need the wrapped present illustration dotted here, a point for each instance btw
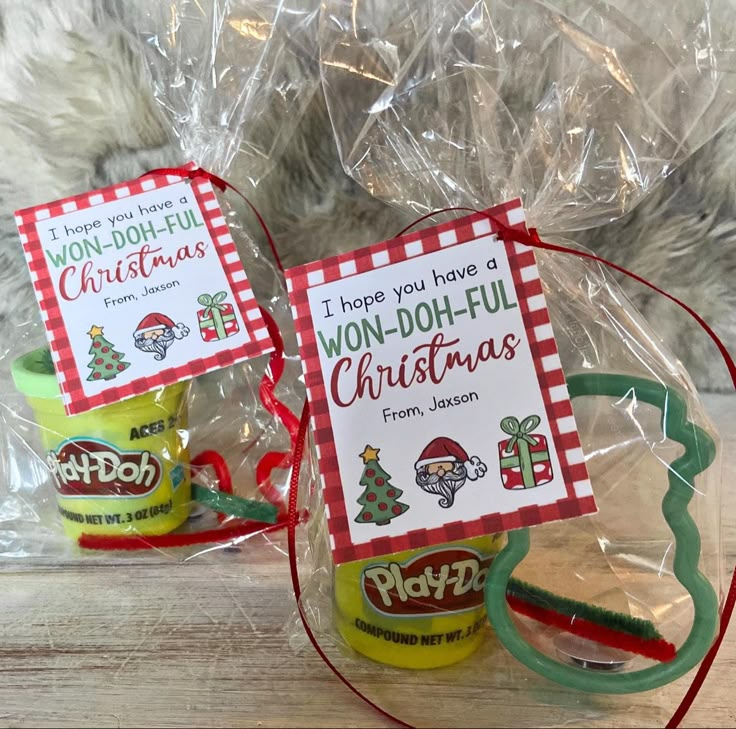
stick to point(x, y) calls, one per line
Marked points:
point(217, 320)
point(524, 457)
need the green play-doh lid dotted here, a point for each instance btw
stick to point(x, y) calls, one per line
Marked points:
point(34, 375)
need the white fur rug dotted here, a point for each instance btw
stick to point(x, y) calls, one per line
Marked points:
point(76, 112)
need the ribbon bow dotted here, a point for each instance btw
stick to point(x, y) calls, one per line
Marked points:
point(519, 431)
point(212, 302)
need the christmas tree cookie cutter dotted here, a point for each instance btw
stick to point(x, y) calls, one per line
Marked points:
point(700, 450)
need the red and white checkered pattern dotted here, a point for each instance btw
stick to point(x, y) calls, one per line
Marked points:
point(579, 499)
point(73, 395)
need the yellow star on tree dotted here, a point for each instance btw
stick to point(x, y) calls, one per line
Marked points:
point(370, 454)
point(95, 331)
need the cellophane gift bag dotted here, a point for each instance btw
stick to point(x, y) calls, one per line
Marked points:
point(570, 112)
point(155, 420)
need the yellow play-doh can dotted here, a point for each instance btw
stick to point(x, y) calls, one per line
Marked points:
point(421, 608)
point(119, 469)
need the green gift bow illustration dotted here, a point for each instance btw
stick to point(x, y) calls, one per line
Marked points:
point(523, 441)
point(213, 312)
point(700, 451)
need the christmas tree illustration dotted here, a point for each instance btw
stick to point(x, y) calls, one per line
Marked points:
point(379, 499)
point(106, 363)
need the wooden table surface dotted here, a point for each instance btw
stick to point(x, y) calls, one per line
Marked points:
point(205, 644)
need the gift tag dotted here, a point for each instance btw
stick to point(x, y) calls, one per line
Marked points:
point(140, 286)
point(439, 406)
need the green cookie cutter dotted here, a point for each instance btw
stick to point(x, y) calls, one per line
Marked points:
point(700, 451)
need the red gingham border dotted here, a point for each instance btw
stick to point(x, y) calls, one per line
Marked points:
point(544, 353)
point(73, 397)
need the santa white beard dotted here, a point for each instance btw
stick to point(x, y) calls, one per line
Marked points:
point(159, 345)
point(445, 486)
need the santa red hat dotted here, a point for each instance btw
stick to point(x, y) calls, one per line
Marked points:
point(447, 450)
point(160, 321)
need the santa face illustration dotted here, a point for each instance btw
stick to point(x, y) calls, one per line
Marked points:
point(444, 467)
point(156, 333)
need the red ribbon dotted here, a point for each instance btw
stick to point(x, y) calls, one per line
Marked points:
point(298, 432)
point(222, 472)
point(293, 522)
point(707, 662)
point(273, 459)
point(529, 238)
point(191, 173)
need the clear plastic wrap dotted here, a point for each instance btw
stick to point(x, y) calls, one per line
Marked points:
point(579, 108)
point(233, 76)
point(219, 70)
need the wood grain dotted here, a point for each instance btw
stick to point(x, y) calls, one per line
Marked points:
point(205, 644)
